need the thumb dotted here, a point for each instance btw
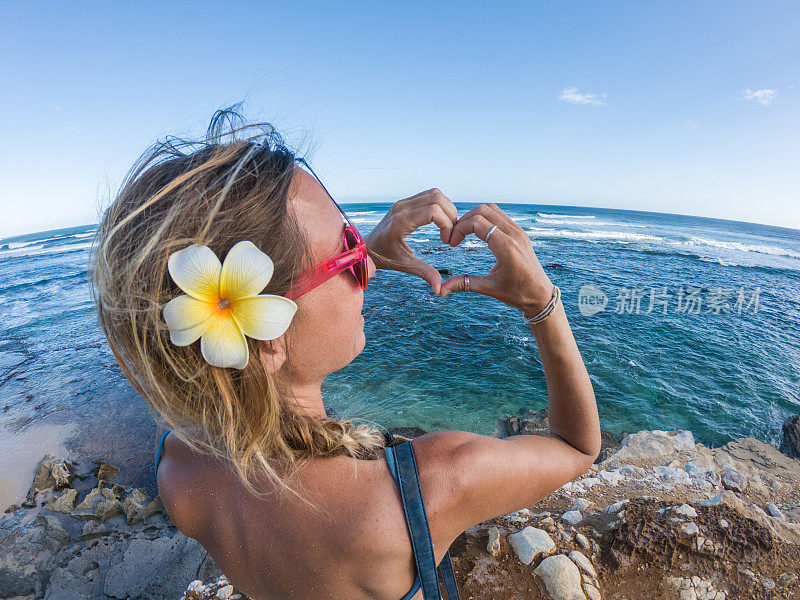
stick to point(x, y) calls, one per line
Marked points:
point(477, 283)
point(427, 272)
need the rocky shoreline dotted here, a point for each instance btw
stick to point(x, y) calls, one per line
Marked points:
point(657, 516)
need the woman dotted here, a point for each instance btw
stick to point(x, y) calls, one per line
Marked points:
point(214, 285)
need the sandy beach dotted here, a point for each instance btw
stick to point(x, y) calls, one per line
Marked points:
point(656, 516)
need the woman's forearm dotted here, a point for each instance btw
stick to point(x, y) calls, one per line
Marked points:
point(572, 409)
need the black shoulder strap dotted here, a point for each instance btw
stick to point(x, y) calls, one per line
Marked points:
point(417, 519)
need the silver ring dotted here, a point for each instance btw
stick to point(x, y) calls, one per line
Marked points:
point(466, 282)
point(491, 231)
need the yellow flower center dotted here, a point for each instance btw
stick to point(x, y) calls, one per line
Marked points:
point(224, 303)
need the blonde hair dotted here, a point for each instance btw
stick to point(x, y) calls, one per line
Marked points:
point(208, 192)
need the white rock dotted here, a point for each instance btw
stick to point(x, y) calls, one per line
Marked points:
point(592, 593)
point(585, 565)
point(690, 528)
point(521, 515)
point(561, 578)
point(493, 547)
point(654, 444)
point(612, 477)
point(224, 593)
point(616, 507)
point(734, 479)
point(723, 523)
point(573, 517)
point(530, 543)
point(581, 504)
point(583, 541)
point(687, 511)
point(775, 511)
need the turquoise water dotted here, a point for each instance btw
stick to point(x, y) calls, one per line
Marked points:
point(463, 361)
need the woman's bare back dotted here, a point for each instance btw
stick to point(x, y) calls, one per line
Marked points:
point(357, 544)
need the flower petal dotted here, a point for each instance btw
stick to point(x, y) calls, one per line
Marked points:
point(263, 317)
point(196, 271)
point(187, 318)
point(223, 344)
point(245, 271)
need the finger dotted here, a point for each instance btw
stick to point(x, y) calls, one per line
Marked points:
point(495, 215)
point(415, 216)
point(477, 283)
point(478, 223)
point(427, 272)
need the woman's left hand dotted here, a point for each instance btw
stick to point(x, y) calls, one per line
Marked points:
point(404, 217)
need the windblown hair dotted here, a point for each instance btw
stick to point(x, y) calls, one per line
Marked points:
point(232, 185)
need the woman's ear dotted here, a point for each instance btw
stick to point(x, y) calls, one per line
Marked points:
point(272, 353)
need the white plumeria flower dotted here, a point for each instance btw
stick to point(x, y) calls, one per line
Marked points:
point(221, 304)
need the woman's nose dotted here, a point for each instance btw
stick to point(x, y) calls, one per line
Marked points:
point(371, 268)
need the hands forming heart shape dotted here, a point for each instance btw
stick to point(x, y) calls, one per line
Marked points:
point(517, 279)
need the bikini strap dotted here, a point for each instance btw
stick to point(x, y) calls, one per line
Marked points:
point(417, 520)
point(158, 451)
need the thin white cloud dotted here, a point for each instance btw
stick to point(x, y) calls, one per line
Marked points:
point(763, 97)
point(573, 96)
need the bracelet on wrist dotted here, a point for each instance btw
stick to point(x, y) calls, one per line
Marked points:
point(547, 310)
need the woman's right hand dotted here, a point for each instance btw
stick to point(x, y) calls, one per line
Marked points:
point(518, 278)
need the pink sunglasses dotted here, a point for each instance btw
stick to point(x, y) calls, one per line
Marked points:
point(354, 259)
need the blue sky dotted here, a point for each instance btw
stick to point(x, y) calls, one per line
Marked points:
point(682, 107)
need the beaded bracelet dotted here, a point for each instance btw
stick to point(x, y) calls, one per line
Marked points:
point(547, 310)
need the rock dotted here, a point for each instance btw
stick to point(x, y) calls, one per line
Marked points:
point(592, 593)
point(727, 498)
point(519, 516)
point(445, 271)
point(790, 445)
point(51, 472)
point(581, 504)
point(584, 564)
point(108, 509)
point(105, 470)
point(25, 564)
point(733, 479)
point(723, 523)
point(494, 541)
point(530, 543)
point(687, 511)
point(689, 528)
point(99, 503)
point(156, 568)
point(133, 504)
point(616, 507)
point(573, 517)
point(64, 503)
point(654, 445)
point(155, 507)
point(561, 578)
point(786, 578)
point(224, 593)
point(768, 584)
point(775, 511)
point(582, 541)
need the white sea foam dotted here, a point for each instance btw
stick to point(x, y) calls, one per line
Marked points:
point(416, 239)
point(760, 249)
point(40, 250)
point(361, 213)
point(621, 237)
point(365, 220)
point(560, 216)
point(593, 223)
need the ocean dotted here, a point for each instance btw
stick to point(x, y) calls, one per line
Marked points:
point(683, 323)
